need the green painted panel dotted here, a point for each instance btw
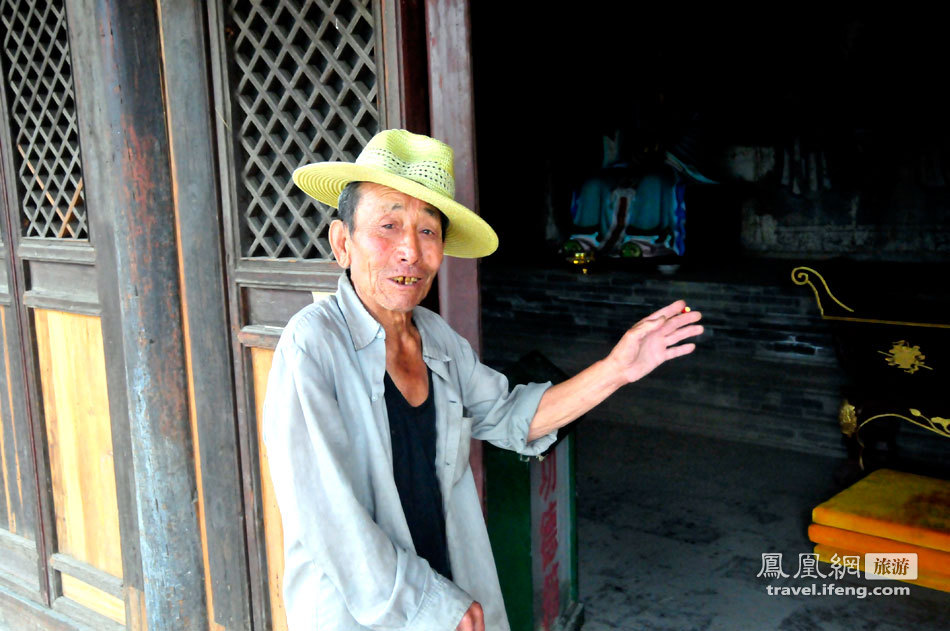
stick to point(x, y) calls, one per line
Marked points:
point(507, 494)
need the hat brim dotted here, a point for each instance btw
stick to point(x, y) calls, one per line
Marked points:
point(468, 236)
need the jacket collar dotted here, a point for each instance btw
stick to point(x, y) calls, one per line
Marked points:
point(364, 328)
point(362, 325)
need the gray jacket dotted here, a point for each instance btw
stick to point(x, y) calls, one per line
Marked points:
point(349, 557)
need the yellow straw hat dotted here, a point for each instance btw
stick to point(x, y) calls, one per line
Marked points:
point(415, 165)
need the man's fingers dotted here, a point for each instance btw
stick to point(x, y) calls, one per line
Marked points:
point(681, 334)
point(473, 620)
point(678, 351)
point(669, 310)
point(681, 320)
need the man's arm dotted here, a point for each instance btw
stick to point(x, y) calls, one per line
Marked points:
point(309, 443)
point(649, 343)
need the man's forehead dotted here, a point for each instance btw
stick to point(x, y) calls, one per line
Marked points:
point(382, 198)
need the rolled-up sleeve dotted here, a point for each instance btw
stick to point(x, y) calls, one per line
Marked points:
point(309, 448)
point(500, 416)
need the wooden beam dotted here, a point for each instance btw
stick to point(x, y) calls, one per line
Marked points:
point(129, 191)
point(185, 54)
point(404, 70)
point(452, 120)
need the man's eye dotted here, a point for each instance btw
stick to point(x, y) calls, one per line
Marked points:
point(387, 225)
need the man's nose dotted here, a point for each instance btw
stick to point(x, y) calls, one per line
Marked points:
point(409, 246)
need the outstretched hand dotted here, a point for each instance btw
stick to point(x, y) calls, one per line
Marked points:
point(647, 344)
point(654, 340)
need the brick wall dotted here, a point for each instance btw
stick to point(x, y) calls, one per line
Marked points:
point(764, 371)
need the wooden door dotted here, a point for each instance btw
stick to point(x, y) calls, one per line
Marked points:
point(64, 463)
point(295, 82)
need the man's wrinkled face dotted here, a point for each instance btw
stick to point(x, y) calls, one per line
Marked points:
point(393, 251)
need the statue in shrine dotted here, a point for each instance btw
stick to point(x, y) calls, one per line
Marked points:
point(632, 208)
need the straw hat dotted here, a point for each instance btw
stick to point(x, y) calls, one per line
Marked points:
point(413, 164)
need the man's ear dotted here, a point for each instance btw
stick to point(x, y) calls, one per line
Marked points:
point(339, 242)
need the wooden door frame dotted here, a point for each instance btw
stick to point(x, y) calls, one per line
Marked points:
point(452, 120)
point(22, 361)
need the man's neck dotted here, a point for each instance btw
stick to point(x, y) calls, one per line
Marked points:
point(397, 325)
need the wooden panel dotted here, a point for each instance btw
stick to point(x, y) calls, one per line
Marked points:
point(76, 407)
point(84, 618)
point(261, 360)
point(24, 614)
point(18, 563)
point(62, 286)
point(17, 500)
point(273, 307)
point(11, 482)
point(138, 620)
point(95, 599)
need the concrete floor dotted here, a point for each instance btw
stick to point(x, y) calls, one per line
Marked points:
point(672, 528)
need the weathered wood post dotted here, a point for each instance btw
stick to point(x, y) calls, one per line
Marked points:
point(126, 152)
point(452, 120)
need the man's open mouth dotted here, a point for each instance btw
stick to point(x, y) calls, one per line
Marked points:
point(406, 280)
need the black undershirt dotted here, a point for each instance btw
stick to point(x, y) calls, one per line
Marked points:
point(413, 440)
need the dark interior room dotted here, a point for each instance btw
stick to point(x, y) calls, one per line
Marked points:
point(811, 153)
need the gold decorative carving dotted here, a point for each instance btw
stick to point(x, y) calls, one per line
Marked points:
point(848, 418)
point(937, 424)
point(802, 276)
point(906, 357)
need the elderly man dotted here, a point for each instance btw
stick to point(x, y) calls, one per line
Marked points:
point(372, 401)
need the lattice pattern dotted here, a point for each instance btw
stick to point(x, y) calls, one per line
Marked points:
point(304, 91)
point(39, 86)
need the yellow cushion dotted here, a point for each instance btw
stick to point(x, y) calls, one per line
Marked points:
point(893, 505)
point(928, 559)
point(932, 580)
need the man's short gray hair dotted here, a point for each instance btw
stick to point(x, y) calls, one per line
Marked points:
point(350, 199)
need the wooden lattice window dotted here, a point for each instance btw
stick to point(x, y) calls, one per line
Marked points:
point(303, 88)
point(43, 119)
